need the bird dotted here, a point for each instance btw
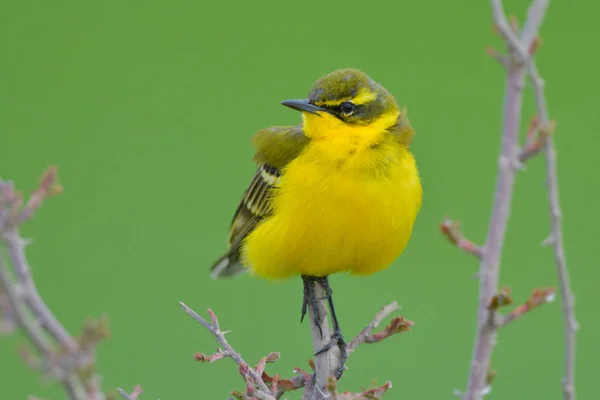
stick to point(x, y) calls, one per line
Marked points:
point(338, 193)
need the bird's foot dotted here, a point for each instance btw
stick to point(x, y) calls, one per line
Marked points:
point(337, 339)
point(310, 297)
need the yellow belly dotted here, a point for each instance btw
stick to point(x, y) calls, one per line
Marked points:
point(330, 219)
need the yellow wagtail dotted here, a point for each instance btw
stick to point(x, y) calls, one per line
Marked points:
point(340, 193)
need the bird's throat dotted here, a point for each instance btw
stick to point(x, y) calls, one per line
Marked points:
point(344, 138)
point(351, 147)
point(327, 126)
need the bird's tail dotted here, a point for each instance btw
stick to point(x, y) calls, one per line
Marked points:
point(227, 266)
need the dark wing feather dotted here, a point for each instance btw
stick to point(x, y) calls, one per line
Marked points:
point(253, 208)
point(275, 148)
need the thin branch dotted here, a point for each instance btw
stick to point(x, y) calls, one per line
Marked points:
point(503, 298)
point(398, 325)
point(510, 36)
point(451, 229)
point(32, 330)
point(7, 321)
point(279, 386)
point(16, 249)
point(374, 393)
point(535, 17)
point(502, 60)
point(538, 297)
point(490, 265)
point(133, 396)
point(509, 160)
point(325, 363)
point(249, 374)
point(261, 385)
point(60, 356)
point(262, 363)
point(568, 299)
point(48, 187)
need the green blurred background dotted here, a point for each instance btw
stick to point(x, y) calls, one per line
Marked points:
point(148, 107)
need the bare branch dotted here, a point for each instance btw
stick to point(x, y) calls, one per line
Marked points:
point(367, 394)
point(16, 249)
point(18, 312)
point(254, 383)
point(537, 298)
point(133, 396)
point(398, 325)
point(261, 385)
point(535, 17)
point(279, 386)
point(454, 234)
point(48, 187)
point(490, 265)
point(7, 322)
point(568, 299)
point(325, 363)
point(262, 363)
point(503, 299)
point(519, 50)
point(502, 60)
point(506, 31)
point(60, 356)
point(539, 137)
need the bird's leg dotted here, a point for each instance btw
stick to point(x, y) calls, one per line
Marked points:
point(337, 338)
point(310, 296)
point(306, 283)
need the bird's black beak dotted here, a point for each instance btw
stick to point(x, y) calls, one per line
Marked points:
point(302, 105)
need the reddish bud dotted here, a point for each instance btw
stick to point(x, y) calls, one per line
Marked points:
point(501, 299)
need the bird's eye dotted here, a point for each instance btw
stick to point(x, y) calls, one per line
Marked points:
point(347, 108)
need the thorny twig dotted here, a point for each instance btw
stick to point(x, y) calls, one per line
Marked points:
point(60, 356)
point(518, 62)
point(398, 325)
point(133, 396)
point(255, 385)
point(452, 231)
point(477, 385)
point(568, 299)
point(538, 297)
point(259, 385)
point(301, 379)
point(374, 393)
point(71, 360)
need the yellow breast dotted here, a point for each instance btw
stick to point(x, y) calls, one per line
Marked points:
point(350, 210)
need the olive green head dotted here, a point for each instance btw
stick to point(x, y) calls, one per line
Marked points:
point(349, 95)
